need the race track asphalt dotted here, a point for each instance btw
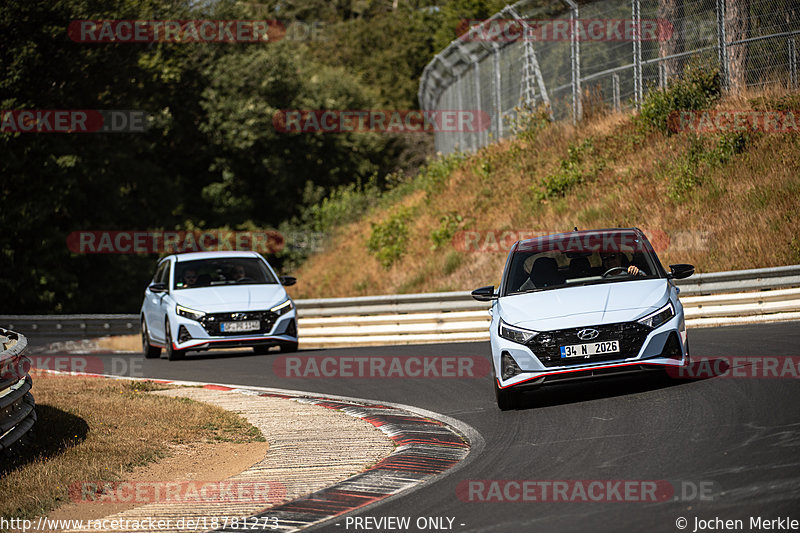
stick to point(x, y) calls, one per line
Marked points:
point(728, 446)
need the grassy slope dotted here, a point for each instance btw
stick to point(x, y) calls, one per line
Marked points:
point(748, 205)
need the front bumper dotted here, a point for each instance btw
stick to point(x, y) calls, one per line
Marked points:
point(204, 334)
point(660, 348)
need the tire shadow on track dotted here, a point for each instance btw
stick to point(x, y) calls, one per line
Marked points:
point(591, 390)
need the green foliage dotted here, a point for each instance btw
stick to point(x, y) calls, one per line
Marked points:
point(448, 225)
point(389, 238)
point(528, 121)
point(433, 176)
point(582, 164)
point(702, 157)
point(452, 262)
point(698, 88)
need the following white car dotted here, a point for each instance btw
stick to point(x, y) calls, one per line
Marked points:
point(206, 300)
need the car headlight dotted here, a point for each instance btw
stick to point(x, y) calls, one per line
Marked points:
point(519, 335)
point(653, 320)
point(192, 314)
point(283, 308)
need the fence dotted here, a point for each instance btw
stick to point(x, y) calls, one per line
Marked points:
point(742, 296)
point(17, 414)
point(560, 57)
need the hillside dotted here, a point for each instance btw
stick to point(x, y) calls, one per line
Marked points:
point(719, 201)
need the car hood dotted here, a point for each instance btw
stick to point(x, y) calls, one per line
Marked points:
point(604, 303)
point(230, 298)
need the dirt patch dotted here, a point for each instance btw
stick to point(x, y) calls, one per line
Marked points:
point(187, 462)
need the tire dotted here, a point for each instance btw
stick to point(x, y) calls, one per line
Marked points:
point(262, 349)
point(506, 399)
point(289, 347)
point(149, 351)
point(172, 353)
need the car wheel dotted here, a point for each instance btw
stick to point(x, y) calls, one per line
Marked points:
point(262, 349)
point(506, 399)
point(289, 347)
point(150, 351)
point(172, 353)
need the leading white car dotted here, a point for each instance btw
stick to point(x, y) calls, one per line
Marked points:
point(206, 300)
point(583, 304)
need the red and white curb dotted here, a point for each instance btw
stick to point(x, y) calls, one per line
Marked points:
point(426, 448)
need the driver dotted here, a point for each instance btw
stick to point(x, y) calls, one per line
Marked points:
point(239, 273)
point(614, 260)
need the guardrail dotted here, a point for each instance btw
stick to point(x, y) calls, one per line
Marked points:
point(17, 408)
point(741, 296)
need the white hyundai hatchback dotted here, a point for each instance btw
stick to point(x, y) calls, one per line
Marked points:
point(583, 304)
point(205, 300)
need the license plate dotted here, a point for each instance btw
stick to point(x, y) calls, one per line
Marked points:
point(245, 325)
point(589, 349)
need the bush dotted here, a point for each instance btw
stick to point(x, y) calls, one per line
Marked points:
point(698, 88)
point(448, 225)
point(581, 164)
point(388, 239)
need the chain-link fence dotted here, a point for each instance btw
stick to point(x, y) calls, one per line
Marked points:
point(576, 59)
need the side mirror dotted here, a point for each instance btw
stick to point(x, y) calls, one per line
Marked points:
point(158, 287)
point(288, 280)
point(681, 271)
point(484, 294)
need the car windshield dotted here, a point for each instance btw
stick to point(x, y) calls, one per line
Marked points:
point(221, 271)
point(582, 258)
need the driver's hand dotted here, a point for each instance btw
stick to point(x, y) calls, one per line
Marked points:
point(633, 270)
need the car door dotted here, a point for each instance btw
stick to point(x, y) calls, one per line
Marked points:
point(154, 303)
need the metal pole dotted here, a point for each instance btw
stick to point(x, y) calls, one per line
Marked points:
point(476, 74)
point(575, 61)
point(722, 43)
point(498, 97)
point(793, 62)
point(637, 54)
point(615, 91)
point(662, 75)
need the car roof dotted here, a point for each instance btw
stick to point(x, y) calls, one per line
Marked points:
point(191, 256)
point(568, 234)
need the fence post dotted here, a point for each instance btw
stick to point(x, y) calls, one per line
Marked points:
point(575, 61)
point(792, 61)
point(637, 53)
point(615, 91)
point(722, 44)
point(498, 97)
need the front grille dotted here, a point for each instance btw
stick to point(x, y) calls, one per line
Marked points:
point(211, 322)
point(547, 345)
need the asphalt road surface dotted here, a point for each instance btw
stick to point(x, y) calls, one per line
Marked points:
point(729, 447)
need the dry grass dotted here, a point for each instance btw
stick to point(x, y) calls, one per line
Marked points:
point(98, 429)
point(744, 214)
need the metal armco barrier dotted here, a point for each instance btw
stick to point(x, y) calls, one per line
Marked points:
point(719, 298)
point(17, 413)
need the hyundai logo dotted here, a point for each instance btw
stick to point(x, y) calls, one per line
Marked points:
point(242, 316)
point(588, 334)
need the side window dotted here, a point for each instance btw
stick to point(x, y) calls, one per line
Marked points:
point(160, 272)
point(165, 274)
